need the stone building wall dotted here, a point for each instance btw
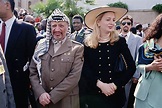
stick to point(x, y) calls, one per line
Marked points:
point(143, 16)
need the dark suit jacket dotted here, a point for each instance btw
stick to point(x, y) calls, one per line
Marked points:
point(80, 36)
point(19, 51)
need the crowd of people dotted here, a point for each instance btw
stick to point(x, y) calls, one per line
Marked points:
point(43, 64)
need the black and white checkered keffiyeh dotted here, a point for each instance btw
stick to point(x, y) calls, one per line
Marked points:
point(43, 45)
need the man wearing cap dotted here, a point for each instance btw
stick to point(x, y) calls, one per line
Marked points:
point(56, 65)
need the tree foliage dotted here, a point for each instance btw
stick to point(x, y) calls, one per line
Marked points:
point(91, 2)
point(118, 4)
point(67, 6)
point(157, 8)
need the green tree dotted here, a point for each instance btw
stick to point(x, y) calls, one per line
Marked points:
point(91, 2)
point(67, 6)
point(118, 4)
point(157, 8)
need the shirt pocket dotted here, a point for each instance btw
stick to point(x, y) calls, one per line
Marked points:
point(66, 63)
point(67, 59)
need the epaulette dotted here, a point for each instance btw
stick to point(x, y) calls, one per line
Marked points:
point(87, 31)
point(73, 41)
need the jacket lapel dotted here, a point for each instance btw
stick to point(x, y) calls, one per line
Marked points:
point(130, 40)
point(51, 48)
point(66, 46)
point(14, 34)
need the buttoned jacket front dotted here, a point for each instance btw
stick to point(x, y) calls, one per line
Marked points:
point(60, 74)
point(99, 64)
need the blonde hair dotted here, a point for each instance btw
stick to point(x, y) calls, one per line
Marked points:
point(92, 40)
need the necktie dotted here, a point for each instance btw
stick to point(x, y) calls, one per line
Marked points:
point(76, 35)
point(2, 36)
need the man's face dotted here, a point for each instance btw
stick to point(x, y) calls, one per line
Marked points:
point(77, 25)
point(3, 9)
point(59, 29)
point(30, 20)
point(126, 25)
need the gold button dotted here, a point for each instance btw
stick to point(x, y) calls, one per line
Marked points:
point(100, 58)
point(110, 78)
point(99, 64)
point(99, 72)
point(99, 50)
point(99, 78)
point(109, 71)
point(109, 64)
point(108, 57)
point(51, 88)
point(107, 44)
point(62, 59)
point(99, 44)
point(52, 69)
point(99, 91)
point(51, 79)
point(53, 60)
point(17, 70)
point(107, 50)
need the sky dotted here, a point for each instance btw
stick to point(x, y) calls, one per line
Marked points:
point(132, 4)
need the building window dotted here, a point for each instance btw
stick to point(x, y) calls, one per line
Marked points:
point(29, 4)
point(19, 3)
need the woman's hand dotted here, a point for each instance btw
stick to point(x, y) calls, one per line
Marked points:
point(107, 89)
point(155, 65)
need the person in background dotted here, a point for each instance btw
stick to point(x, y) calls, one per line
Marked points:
point(149, 64)
point(56, 65)
point(118, 28)
point(29, 19)
point(38, 27)
point(80, 32)
point(133, 41)
point(133, 30)
point(16, 13)
point(18, 45)
point(104, 86)
point(21, 14)
point(139, 29)
point(6, 93)
point(42, 33)
point(43, 26)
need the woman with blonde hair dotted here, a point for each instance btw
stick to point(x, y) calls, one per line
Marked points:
point(103, 85)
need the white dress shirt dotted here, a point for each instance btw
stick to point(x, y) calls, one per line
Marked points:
point(9, 24)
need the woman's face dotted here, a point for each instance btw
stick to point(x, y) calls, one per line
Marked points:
point(107, 22)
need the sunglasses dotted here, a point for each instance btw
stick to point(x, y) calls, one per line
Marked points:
point(128, 23)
